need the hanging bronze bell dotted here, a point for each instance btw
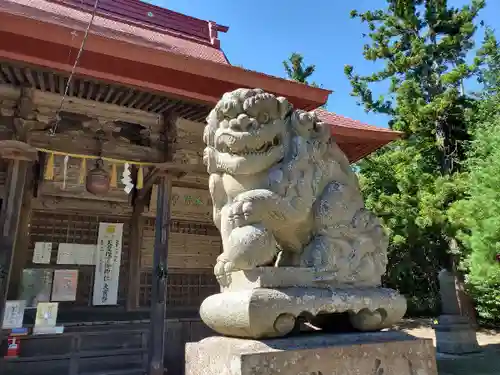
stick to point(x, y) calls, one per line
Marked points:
point(98, 180)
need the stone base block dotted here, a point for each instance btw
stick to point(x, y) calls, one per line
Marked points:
point(455, 335)
point(265, 313)
point(387, 353)
point(286, 277)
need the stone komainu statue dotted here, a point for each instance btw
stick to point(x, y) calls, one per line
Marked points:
point(297, 239)
point(284, 193)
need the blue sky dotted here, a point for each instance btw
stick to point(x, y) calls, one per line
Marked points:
point(262, 33)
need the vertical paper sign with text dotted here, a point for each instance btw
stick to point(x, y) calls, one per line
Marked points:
point(107, 270)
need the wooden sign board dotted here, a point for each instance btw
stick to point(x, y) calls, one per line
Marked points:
point(188, 157)
point(187, 203)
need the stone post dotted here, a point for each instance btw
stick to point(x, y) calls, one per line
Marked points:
point(455, 332)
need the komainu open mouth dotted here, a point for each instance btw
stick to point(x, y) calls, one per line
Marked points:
point(263, 149)
point(268, 145)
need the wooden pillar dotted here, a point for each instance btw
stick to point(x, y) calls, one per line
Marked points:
point(15, 213)
point(137, 223)
point(9, 220)
point(22, 238)
point(160, 269)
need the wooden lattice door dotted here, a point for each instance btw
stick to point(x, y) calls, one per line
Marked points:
point(187, 286)
point(82, 229)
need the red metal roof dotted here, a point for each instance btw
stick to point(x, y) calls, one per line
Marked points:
point(343, 126)
point(355, 138)
point(197, 39)
point(38, 32)
point(146, 15)
point(181, 35)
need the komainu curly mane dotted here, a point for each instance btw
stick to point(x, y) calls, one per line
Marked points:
point(284, 192)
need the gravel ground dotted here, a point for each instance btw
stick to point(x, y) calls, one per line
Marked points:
point(422, 328)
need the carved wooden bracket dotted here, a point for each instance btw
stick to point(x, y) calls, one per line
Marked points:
point(9, 96)
point(26, 108)
point(170, 128)
point(7, 107)
point(24, 115)
point(100, 125)
point(16, 150)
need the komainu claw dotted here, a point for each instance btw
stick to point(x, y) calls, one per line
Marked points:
point(222, 272)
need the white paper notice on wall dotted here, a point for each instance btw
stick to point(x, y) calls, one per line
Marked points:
point(13, 315)
point(64, 285)
point(42, 252)
point(74, 253)
point(46, 314)
point(108, 258)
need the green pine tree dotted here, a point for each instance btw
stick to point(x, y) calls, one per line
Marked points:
point(296, 70)
point(478, 214)
point(423, 45)
point(490, 74)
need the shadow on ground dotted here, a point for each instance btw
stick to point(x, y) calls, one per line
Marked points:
point(486, 362)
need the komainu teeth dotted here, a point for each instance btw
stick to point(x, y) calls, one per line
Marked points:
point(264, 148)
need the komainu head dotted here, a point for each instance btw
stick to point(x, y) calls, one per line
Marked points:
point(248, 127)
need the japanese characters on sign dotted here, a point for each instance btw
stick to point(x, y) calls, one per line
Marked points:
point(186, 203)
point(107, 272)
point(42, 252)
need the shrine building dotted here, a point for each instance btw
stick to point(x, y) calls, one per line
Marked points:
point(115, 91)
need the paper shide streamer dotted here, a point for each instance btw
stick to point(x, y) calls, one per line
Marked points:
point(126, 180)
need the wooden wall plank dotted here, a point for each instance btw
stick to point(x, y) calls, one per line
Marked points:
point(185, 250)
point(67, 204)
point(193, 179)
point(189, 142)
point(191, 261)
point(84, 144)
point(47, 102)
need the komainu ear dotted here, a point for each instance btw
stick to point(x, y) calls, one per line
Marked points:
point(284, 107)
point(211, 127)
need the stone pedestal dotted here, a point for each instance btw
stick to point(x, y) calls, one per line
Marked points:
point(387, 353)
point(455, 335)
point(267, 302)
